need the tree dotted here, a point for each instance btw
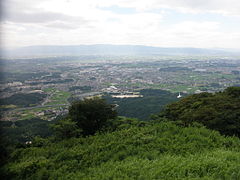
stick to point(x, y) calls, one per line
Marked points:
point(65, 128)
point(233, 92)
point(91, 115)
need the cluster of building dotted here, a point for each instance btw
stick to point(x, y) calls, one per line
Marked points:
point(122, 79)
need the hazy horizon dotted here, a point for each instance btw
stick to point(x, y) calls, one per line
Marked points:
point(108, 49)
point(108, 44)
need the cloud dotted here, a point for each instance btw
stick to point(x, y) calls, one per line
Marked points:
point(226, 7)
point(61, 25)
point(36, 17)
point(29, 12)
point(151, 22)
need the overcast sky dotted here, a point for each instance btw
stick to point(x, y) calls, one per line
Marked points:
point(164, 23)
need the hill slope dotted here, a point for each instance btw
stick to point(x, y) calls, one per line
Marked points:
point(155, 151)
point(219, 111)
point(172, 146)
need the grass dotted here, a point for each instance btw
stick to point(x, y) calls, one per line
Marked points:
point(49, 90)
point(59, 97)
point(28, 115)
point(158, 151)
point(213, 165)
point(11, 106)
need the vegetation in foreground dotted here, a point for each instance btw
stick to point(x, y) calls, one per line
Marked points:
point(155, 151)
point(125, 148)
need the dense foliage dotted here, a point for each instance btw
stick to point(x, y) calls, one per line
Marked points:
point(219, 111)
point(152, 102)
point(24, 100)
point(15, 134)
point(66, 128)
point(82, 88)
point(91, 115)
point(154, 151)
point(21, 77)
point(25, 130)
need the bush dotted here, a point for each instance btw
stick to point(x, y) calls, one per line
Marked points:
point(66, 128)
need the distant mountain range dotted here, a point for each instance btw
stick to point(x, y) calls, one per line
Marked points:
point(102, 49)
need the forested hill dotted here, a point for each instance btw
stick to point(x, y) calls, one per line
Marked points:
point(219, 111)
point(92, 142)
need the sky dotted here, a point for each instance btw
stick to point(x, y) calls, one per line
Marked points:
point(163, 23)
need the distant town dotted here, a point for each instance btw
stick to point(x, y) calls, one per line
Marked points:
point(45, 87)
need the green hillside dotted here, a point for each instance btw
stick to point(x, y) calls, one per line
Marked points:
point(155, 151)
point(93, 143)
point(219, 111)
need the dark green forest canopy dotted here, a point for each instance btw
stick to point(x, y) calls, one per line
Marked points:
point(25, 130)
point(219, 111)
point(91, 115)
point(23, 100)
point(152, 102)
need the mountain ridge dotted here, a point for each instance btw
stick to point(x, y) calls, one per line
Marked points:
point(109, 49)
